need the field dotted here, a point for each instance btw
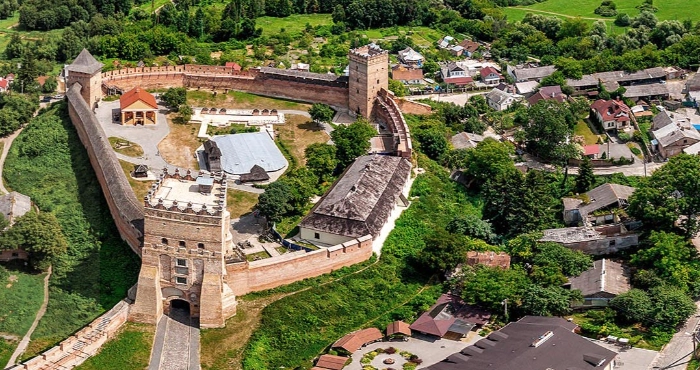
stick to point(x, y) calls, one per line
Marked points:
point(297, 134)
point(240, 100)
point(294, 24)
point(668, 10)
point(99, 267)
point(130, 349)
point(240, 202)
point(21, 296)
point(125, 147)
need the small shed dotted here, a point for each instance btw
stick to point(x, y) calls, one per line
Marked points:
point(205, 183)
point(398, 330)
point(140, 171)
point(355, 340)
point(331, 362)
point(256, 173)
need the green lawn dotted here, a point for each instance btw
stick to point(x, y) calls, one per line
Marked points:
point(21, 300)
point(240, 100)
point(130, 349)
point(667, 9)
point(582, 129)
point(294, 24)
point(6, 349)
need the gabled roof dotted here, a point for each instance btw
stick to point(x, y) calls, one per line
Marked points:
point(459, 81)
point(606, 195)
point(670, 134)
point(85, 63)
point(137, 94)
point(353, 341)
point(469, 45)
point(256, 173)
point(533, 73)
point(447, 311)
point(486, 71)
point(140, 168)
point(4, 83)
point(498, 96)
point(465, 140)
point(591, 149)
point(662, 119)
point(398, 327)
point(401, 73)
point(410, 55)
point(547, 93)
point(526, 87)
point(605, 276)
point(612, 110)
point(331, 362)
point(233, 65)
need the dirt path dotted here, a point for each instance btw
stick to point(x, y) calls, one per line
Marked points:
point(7, 142)
point(559, 14)
point(25, 341)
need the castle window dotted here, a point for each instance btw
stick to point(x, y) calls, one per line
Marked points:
point(377, 80)
point(200, 245)
point(182, 262)
point(182, 243)
point(164, 241)
point(358, 91)
point(180, 280)
point(317, 236)
point(358, 79)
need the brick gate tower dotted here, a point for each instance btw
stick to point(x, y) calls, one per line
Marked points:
point(368, 73)
point(86, 71)
point(186, 241)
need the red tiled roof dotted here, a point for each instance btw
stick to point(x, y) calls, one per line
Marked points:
point(331, 362)
point(353, 341)
point(4, 83)
point(398, 327)
point(612, 110)
point(491, 259)
point(591, 149)
point(486, 71)
point(136, 94)
point(469, 45)
point(42, 80)
point(234, 65)
point(547, 93)
point(448, 308)
point(459, 81)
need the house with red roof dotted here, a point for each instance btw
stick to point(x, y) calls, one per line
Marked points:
point(233, 65)
point(490, 76)
point(4, 84)
point(138, 107)
point(612, 114)
point(450, 318)
point(547, 93)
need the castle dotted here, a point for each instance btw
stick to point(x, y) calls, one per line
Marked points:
point(181, 228)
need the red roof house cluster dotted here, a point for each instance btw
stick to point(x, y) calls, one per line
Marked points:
point(612, 114)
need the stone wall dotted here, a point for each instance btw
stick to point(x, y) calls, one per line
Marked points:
point(77, 348)
point(126, 211)
point(412, 107)
point(301, 88)
point(246, 277)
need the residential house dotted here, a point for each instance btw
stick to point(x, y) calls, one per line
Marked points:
point(490, 76)
point(672, 139)
point(490, 259)
point(612, 114)
point(526, 88)
point(445, 42)
point(470, 47)
point(466, 140)
point(356, 340)
point(613, 80)
point(547, 93)
point(454, 74)
point(532, 343)
point(456, 50)
point(598, 240)
point(450, 318)
point(407, 75)
point(411, 58)
point(599, 284)
point(527, 72)
point(692, 88)
point(4, 85)
point(501, 100)
point(600, 205)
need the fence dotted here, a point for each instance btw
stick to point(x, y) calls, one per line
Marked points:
point(286, 243)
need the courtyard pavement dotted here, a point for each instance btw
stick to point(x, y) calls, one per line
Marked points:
point(629, 358)
point(176, 344)
point(428, 349)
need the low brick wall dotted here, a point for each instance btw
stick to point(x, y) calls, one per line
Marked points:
point(412, 107)
point(79, 347)
point(246, 277)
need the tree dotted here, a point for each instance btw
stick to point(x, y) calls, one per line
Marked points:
point(443, 251)
point(472, 226)
point(50, 85)
point(670, 195)
point(320, 112)
point(571, 263)
point(321, 160)
point(38, 234)
point(672, 306)
point(489, 287)
point(184, 113)
point(274, 202)
point(548, 130)
point(175, 97)
point(623, 20)
point(669, 255)
point(547, 301)
point(632, 306)
point(397, 87)
point(352, 141)
point(338, 14)
point(432, 143)
point(487, 160)
point(586, 178)
point(573, 27)
point(15, 47)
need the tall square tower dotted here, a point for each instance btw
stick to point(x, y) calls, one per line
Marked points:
point(86, 71)
point(186, 240)
point(368, 73)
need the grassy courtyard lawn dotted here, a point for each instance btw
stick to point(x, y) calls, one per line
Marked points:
point(140, 188)
point(178, 147)
point(294, 24)
point(48, 163)
point(240, 100)
point(21, 296)
point(240, 202)
point(297, 134)
point(125, 147)
point(667, 9)
point(582, 129)
point(601, 323)
point(129, 349)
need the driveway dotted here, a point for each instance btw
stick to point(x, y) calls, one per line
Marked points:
point(428, 349)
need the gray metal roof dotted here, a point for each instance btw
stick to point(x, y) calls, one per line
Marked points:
point(14, 205)
point(533, 73)
point(605, 276)
point(240, 152)
point(85, 63)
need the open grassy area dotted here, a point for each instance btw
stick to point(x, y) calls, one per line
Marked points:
point(240, 100)
point(294, 24)
point(582, 129)
point(125, 147)
point(6, 349)
point(129, 349)
point(99, 267)
point(140, 187)
point(179, 146)
point(667, 9)
point(422, 36)
point(240, 203)
point(297, 134)
point(21, 296)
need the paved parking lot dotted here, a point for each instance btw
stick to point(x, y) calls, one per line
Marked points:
point(630, 358)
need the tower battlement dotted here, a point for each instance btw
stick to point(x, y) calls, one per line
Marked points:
point(368, 52)
point(202, 195)
point(368, 74)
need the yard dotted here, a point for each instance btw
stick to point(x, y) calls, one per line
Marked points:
point(601, 323)
point(21, 295)
point(297, 134)
point(140, 188)
point(179, 146)
point(125, 147)
point(582, 129)
point(240, 100)
point(240, 202)
point(129, 349)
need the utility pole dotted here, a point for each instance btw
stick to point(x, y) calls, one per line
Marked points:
point(505, 308)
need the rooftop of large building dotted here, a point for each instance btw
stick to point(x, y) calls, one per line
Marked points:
point(191, 191)
point(368, 50)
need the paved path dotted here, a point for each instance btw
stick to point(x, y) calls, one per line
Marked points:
point(42, 310)
point(7, 142)
point(176, 344)
point(676, 354)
